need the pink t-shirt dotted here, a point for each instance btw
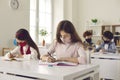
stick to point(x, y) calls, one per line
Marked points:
point(68, 50)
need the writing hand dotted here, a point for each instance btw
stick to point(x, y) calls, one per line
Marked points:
point(102, 50)
point(11, 56)
point(51, 59)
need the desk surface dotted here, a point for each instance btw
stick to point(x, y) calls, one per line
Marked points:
point(108, 55)
point(33, 69)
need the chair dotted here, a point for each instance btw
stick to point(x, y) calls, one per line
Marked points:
point(5, 50)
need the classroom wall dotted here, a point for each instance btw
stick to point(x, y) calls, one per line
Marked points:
point(82, 11)
point(77, 11)
point(65, 9)
point(106, 11)
point(58, 14)
point(11, 20)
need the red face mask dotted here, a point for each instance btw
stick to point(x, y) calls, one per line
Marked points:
point(21, 48)
point(22, 44)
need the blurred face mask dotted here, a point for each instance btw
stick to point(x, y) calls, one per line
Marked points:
point(106, 42)
point(22, 43)
point(89, 40)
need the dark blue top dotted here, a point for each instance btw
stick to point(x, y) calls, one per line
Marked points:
point(111, 47)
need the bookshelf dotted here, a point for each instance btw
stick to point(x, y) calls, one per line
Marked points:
point(112, 28)
point(96, 30)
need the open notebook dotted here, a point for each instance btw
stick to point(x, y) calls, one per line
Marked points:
point(58, 63)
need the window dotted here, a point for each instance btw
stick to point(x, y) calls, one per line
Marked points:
point(40, 18)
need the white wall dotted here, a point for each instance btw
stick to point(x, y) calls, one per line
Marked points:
point(11, 20)
point(65, 9)
point(71, 11)
point(81, 11)
point(58, 14)
point(106, 11)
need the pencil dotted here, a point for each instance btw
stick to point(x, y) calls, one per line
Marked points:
point(50, 55)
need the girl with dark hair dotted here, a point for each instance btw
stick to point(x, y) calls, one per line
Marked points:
point(26, 47)
point(67, 46)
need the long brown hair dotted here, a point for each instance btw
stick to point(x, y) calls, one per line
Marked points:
point(68, 27)
point(23, 34)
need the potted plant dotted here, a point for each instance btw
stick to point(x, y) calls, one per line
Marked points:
point(94, 20)
point(43, 33)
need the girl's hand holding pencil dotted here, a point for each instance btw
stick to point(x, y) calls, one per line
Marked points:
point(48, 58)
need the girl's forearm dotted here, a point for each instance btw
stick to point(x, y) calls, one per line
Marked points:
point(74, 60)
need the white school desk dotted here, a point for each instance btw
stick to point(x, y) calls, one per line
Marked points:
point(33, 69)
point(109, 65)
point(13, 77)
